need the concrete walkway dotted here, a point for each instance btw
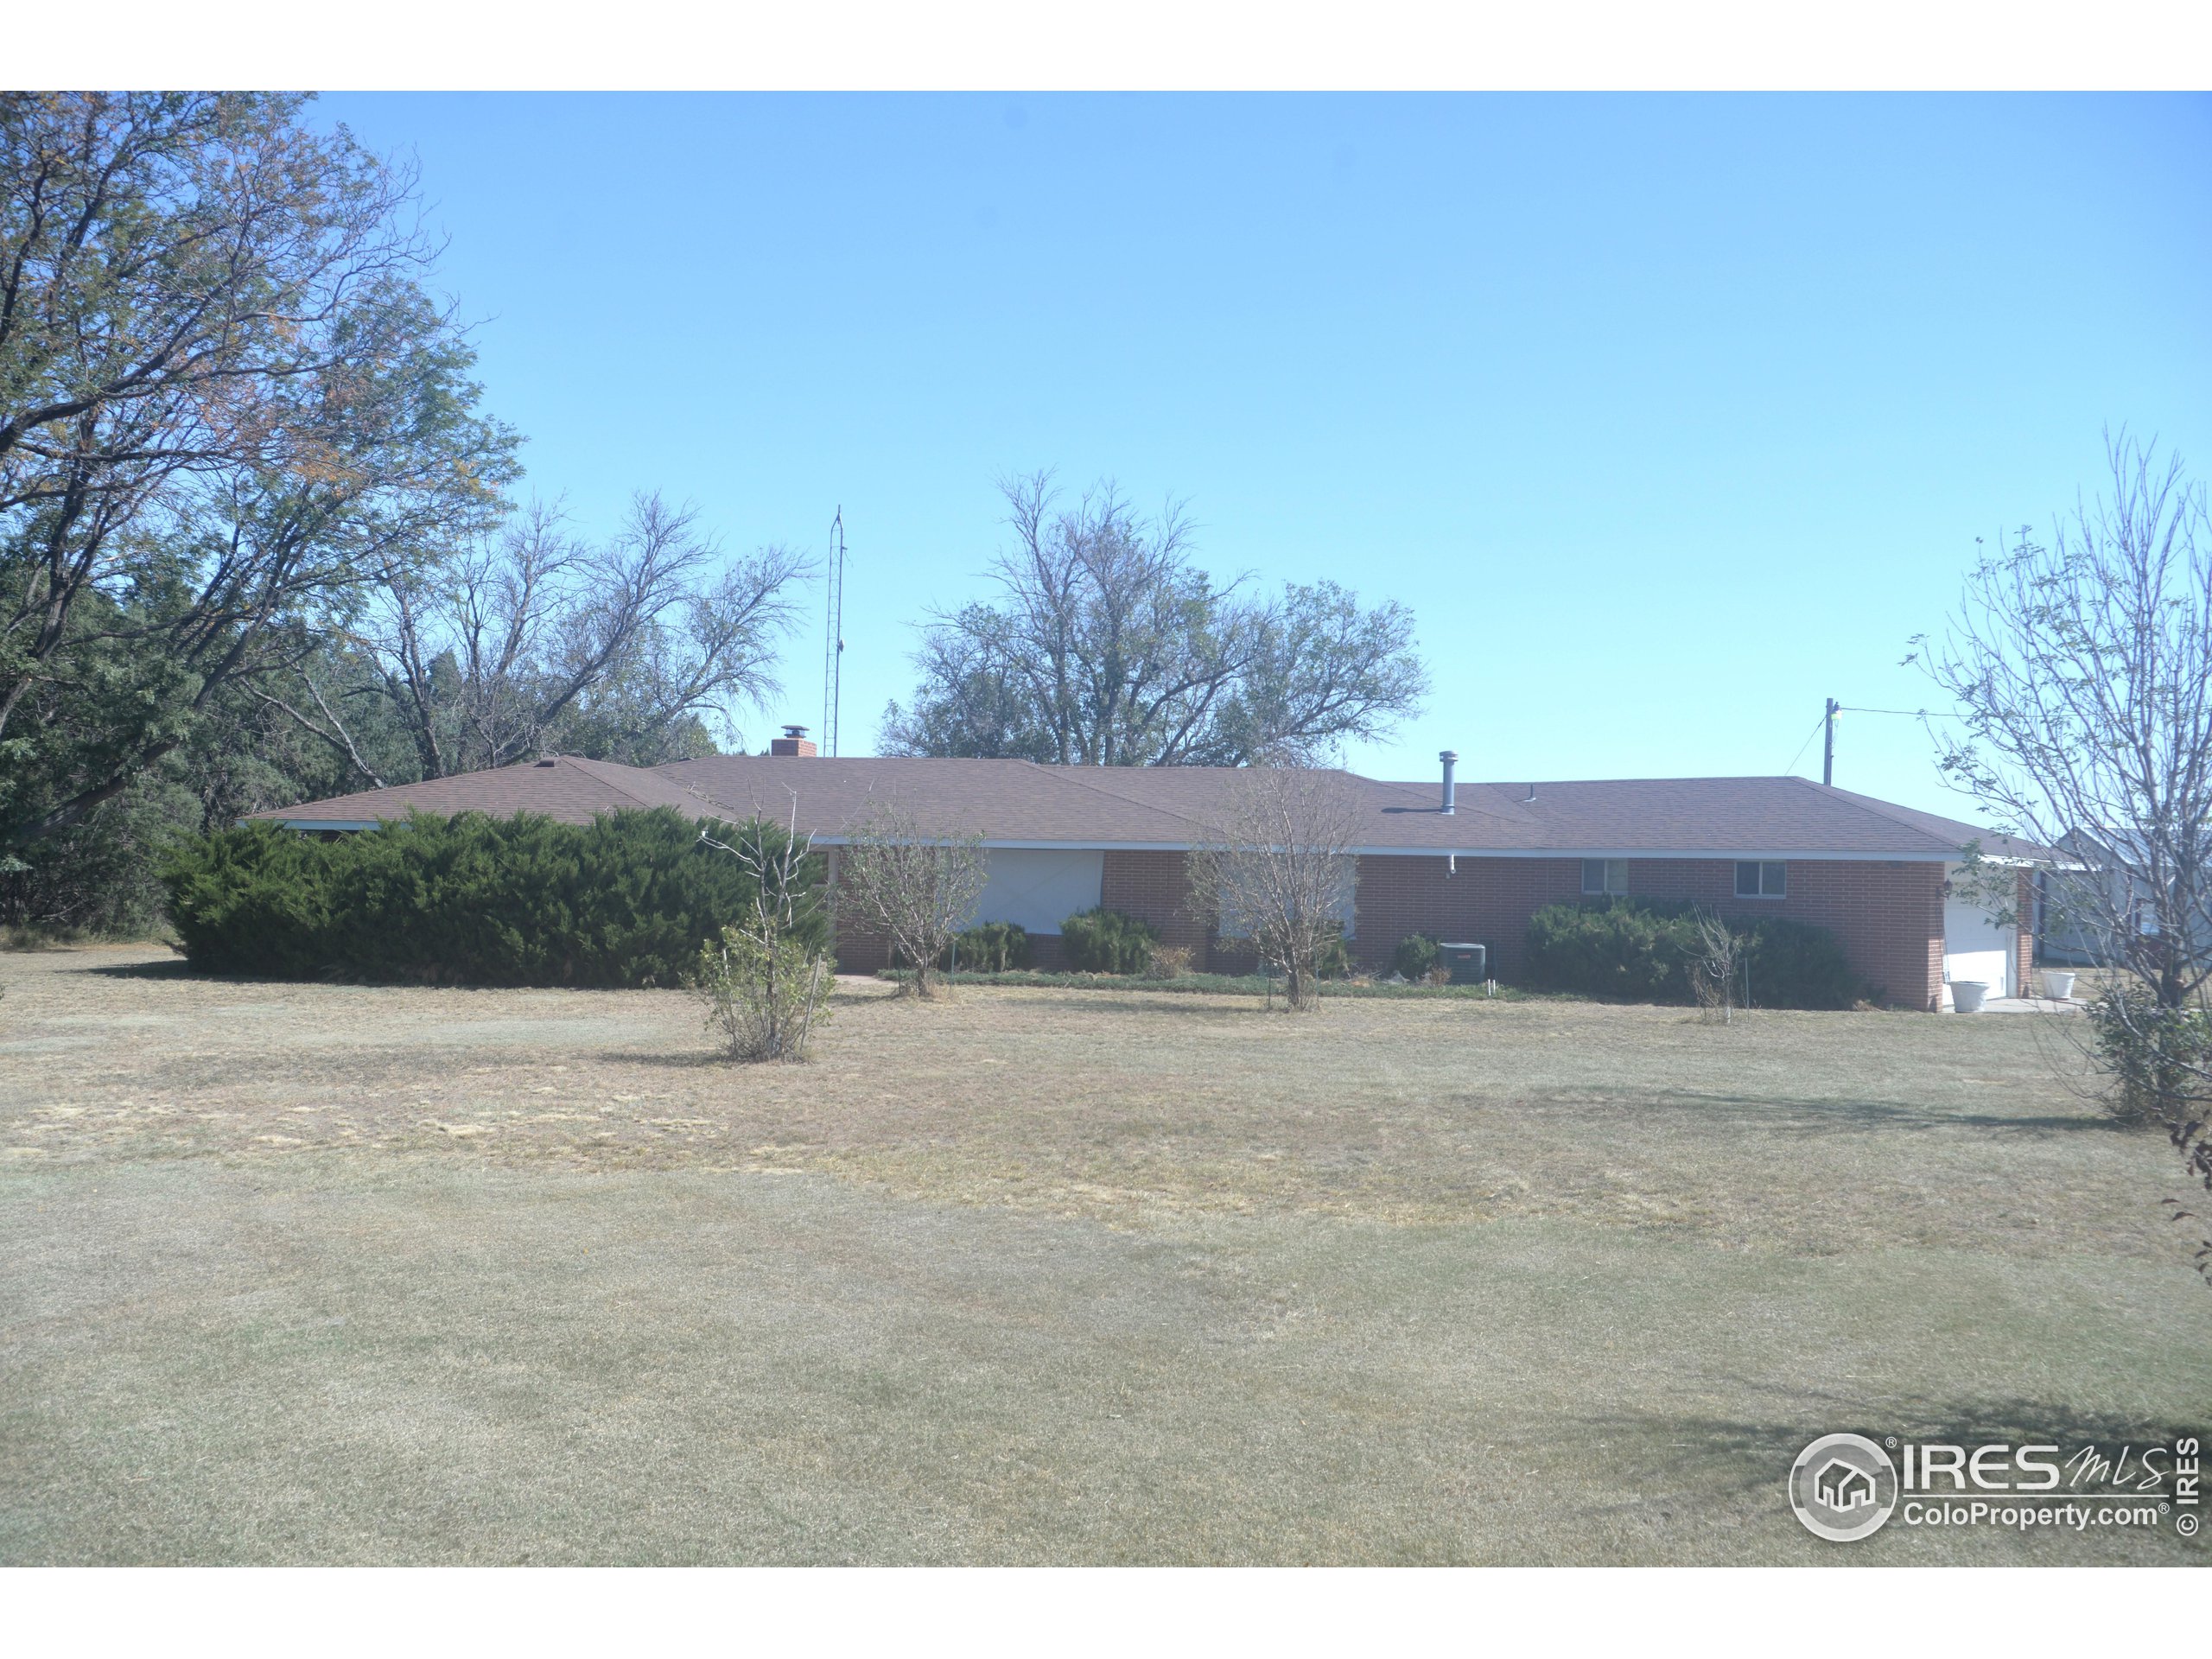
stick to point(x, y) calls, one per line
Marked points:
point(2030, 1005)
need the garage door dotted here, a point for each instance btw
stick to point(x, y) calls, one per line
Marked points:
point(1974, 947)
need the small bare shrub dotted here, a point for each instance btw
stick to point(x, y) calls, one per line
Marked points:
point(1713, 968)
point(1281, 874)
point(1168, 962)
point(917, 883)
point(763, 995)
point(765, 986)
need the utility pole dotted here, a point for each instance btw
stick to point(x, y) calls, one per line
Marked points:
point(833, 652)
point(1827, 744)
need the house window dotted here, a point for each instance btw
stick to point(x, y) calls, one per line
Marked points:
point(1756, 880)
point(1604, 875)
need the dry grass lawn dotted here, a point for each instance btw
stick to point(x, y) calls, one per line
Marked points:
point(326, 1273)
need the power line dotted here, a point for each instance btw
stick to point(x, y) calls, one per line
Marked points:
point(1827, 723)
point(1806, 745)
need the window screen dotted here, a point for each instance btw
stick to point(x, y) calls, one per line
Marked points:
point(1756, 878)
point(1604, 875)
point(1038, 889)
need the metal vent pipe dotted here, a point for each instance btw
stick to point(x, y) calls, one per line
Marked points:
point(1451, 758)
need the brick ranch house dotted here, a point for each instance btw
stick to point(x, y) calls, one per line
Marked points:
point(1463, 861)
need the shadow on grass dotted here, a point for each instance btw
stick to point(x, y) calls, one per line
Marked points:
point(1733, 1456)
point(692, 1061)
point(1805, 1114)
point(177, 967)
point(180, 967)
point(1214, 1004)
point(1181, 1004)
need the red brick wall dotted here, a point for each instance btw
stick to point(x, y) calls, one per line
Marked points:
point(1154, 888)
point(1488, 901)
point(1888, 917)
point(2024, 940)
point(859, 950)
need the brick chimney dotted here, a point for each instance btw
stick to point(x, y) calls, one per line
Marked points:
point(793, 741)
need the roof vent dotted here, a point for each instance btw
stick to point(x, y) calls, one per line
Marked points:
point(1451, 758)
point(547, 760)
point(1532, 792)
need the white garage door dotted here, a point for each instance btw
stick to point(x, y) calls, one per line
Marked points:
point(1974, 947)
point(1039, 889)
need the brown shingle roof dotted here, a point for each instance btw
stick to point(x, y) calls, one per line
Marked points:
point(1017, 802)
point(1003, 800)
point(570, 789)
point(1770, 816)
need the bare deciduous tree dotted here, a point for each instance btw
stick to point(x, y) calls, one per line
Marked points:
point(2082, 673)
point(1281, 870)
point(1713, 969)
point(534, 632)
point(1108, 646)
point(918, 886)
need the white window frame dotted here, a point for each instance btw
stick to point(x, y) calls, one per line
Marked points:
point(1775, 868)
point(1612, 878)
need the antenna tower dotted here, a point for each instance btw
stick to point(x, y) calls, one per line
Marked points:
point(833, 654)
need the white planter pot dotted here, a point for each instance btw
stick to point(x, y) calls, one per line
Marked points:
point(2058, 986)
point(1966, 994)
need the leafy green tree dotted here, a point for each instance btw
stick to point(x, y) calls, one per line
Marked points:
point(100, 874)
point(227, 410)
point(254, 539)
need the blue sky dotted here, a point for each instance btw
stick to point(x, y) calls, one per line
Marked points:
point(1668, 417)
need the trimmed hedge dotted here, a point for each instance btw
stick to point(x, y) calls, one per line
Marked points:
point(1621, 953)
point(988, 948)
point(626, 900)
point(1797, 965)
point(1102, 941)
point(1637, 951)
